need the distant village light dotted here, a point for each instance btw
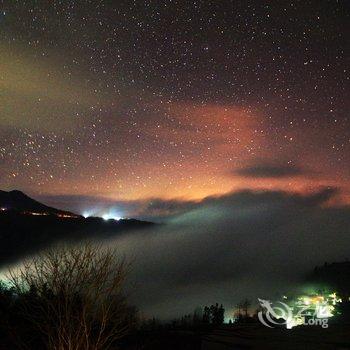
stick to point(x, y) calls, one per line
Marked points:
point(34, 213)
point(110, 216)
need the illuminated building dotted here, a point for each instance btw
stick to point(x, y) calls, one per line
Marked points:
point(312, 309)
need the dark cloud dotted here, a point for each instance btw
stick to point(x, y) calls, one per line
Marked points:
point(271, 170)
point(157, 209)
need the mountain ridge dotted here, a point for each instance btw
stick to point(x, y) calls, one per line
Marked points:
point(18, 200)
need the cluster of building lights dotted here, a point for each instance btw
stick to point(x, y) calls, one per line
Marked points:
point(47, 214)
point(33, 213)
point(318, 306)
point(110, 215)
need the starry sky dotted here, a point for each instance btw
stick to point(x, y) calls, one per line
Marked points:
point(174, 100)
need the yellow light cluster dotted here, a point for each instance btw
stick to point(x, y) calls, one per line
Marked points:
point(46, 214)
point(35, 213)
point(66, 216)
point(320, 306)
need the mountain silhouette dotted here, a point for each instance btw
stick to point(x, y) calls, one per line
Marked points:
point(19, 201)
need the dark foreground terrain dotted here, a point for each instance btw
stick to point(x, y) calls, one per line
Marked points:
point(23, 234)
point(237, 337)
point(256, 337)
point(336, 337)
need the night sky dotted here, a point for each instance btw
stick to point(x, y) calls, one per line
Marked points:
point(225, 120)
point(173, 99)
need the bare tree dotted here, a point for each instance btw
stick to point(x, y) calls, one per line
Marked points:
point(245, 306)
point(239, 307)
point(74, 296)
